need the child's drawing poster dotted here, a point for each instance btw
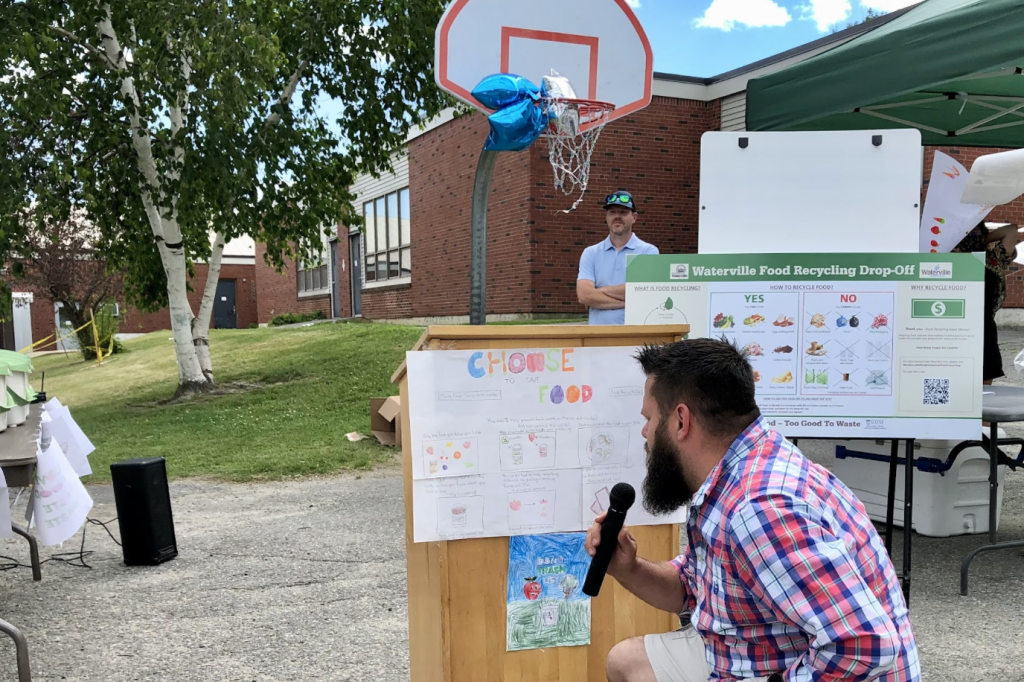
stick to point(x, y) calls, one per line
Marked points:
point(546, 604)
point(523, 441)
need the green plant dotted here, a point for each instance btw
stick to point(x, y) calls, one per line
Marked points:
point(295, 318)
point(107, 326)
point(252, 325)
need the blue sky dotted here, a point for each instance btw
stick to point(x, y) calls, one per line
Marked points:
point(709, 37)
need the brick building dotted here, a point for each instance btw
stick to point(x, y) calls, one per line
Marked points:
point(36, 315)
point(411, 260)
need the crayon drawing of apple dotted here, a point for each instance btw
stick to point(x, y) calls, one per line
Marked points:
point(532, 588)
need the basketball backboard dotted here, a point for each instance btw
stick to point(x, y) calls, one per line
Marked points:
point(599, 45)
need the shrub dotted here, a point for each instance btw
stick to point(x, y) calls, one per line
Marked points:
point(107, 326)
point(252, 325)
point(295, 318)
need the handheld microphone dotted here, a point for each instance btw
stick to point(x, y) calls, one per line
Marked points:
point(620, 500)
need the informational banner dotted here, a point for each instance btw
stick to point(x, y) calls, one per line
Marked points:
point(523, 441)
point(842, 345)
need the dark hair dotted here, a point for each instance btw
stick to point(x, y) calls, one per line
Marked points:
point(713, 378)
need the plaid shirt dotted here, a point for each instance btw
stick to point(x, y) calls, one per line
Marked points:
point(784, 572)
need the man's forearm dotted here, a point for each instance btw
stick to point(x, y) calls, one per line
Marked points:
point(618, 292)
point(658, 584)
point(602, 301)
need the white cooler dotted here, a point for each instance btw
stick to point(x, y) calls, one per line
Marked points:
point(953, 502)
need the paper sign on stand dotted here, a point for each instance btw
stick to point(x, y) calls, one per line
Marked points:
point(5, 509)
point(70, 438)
point(60, 503)
point(63, 414)
point(946, 220)
point(842, 345)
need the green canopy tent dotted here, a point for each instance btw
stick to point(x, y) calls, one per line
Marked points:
point(950, 68)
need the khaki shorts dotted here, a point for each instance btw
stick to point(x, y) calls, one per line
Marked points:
point(679, 656)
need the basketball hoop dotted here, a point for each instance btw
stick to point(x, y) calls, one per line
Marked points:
point(572, 134)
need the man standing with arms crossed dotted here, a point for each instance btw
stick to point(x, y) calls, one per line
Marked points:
point(601, 284)
point(784, 575)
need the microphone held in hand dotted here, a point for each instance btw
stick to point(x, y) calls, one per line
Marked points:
point(620, 500)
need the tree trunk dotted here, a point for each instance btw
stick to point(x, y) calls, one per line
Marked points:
point(191, 379)
point(201, 325)
point(162, 214)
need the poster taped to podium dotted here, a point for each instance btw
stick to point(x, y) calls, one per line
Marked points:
point(522, 441)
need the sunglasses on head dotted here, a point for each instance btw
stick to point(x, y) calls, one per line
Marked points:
point(618, 198)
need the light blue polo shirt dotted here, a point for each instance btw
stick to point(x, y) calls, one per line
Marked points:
point(605, 266)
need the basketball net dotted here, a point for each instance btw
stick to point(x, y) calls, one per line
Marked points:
point(572, 135)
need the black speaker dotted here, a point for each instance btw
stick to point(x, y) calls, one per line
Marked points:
point(144, 511)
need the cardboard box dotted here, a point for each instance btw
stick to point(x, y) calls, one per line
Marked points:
point(386, 420)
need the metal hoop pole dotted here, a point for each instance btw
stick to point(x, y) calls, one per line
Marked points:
point(478, 238)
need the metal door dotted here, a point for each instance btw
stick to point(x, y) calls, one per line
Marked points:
point(224, 313)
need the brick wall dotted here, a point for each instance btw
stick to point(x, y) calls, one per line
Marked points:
point(442, 167)
point(134, 321)
point(1010, 213)
point(655, 154)
point(278, 291)
point(533, 249)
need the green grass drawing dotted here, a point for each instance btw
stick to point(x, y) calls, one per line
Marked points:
point(526, 629)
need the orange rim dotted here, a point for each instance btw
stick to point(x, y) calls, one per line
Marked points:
point(590, 110)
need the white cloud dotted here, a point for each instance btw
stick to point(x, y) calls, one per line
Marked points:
point(888, 5)
point(825, 13)
point(729, 14)
point(635, 4)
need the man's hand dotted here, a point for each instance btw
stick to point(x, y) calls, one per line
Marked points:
point(658, 584)
point(624, 559)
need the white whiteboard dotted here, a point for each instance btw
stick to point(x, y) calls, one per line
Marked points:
point(810, 192)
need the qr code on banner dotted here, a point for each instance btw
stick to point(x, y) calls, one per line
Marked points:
point(936, 392)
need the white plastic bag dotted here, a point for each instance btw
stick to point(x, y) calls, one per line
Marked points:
point(1018, 362)
point(556, 87)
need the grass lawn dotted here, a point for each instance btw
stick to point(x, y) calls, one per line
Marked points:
point(315, 383)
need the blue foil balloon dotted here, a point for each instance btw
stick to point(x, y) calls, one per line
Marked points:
point(504, 89)
point(516, 127)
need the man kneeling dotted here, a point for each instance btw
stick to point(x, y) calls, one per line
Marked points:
point(784, 576)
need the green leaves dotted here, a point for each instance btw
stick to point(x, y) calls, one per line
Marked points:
point(67, 139)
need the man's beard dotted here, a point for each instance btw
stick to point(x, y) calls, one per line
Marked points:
point(665, 488)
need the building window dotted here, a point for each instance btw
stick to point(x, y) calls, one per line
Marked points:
point(312, 276)
point(387, 237)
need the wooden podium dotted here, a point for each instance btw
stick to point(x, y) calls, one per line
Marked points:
point(457, 589)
